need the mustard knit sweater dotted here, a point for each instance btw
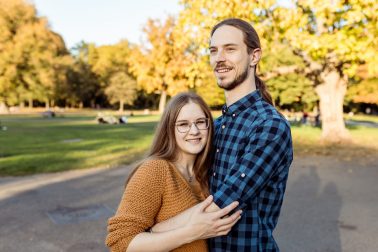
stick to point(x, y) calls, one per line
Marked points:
point(156, 192)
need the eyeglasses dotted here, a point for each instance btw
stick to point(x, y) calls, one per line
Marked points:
point(185, 126)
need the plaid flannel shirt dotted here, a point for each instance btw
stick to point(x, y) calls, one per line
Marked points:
point(253, 154)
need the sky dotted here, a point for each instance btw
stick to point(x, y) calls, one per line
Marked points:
point(105, 21)
point(102, 21)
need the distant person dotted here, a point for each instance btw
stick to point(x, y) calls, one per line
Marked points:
point(172, 179)
point(122, 120)
point(304, 117)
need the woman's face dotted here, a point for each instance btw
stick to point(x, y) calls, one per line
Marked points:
point(191, 129)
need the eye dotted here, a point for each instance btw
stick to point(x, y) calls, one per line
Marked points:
point(201, 121)
point(213, 50)
point(230, 49)
point(183, 124)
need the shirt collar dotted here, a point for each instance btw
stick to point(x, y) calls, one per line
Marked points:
point(240, 105)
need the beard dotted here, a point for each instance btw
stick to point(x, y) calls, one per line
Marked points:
point(239, 79)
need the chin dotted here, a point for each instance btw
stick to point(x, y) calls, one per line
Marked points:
point(195, 151)
point(224, 84)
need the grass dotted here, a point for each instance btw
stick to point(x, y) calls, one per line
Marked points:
point(362, 145)
point(363, 118)
point(32, 144)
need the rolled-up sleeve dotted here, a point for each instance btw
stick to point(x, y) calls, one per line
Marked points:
point(139, 206)
point(268, 145)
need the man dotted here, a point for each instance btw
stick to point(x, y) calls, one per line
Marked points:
point(252, 142)
point(253, 150)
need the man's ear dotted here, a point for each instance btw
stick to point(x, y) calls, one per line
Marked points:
point(255, 57)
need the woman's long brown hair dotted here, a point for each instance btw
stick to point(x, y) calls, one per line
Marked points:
point(164, 145)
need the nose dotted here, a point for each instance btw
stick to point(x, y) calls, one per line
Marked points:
point(193, 129)
point(220, 56)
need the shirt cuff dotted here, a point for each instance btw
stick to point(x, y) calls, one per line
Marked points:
point(226, 196)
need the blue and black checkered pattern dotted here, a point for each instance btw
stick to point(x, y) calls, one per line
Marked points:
point(253, 155)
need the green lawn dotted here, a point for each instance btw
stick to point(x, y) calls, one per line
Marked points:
point(363, 143)
point(361, 117)
point(32, 144)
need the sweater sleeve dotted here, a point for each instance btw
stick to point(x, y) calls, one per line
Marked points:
point(139, 205)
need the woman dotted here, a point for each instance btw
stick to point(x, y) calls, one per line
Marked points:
point(172, 179)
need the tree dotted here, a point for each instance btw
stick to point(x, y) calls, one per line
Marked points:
point(332, 38)
point(161, 65)
point(365, 91)
point(83, 87)
point(109, 61)
point(33, 59)
point(122, 88)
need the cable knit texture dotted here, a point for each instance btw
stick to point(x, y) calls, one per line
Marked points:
point(156, 192)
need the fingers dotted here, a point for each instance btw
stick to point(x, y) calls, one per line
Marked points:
point(229, 220)
point(227, 226)
point(225, 229)
point(207, 202)
point(226, 210)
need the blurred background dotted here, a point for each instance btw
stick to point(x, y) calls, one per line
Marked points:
point(82, 85)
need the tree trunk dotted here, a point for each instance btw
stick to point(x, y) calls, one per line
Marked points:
point(331, 94)
point(30, 102)
point(47, 104)
point(163, 101)
point(121, 105)
point(3, 108)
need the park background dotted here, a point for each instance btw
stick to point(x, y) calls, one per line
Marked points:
point(319, 62)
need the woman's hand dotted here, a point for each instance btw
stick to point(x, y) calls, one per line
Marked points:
point(203, 225)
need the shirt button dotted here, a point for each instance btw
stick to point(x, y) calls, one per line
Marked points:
point(242, 175)
point(223, 126)
point(214, 174)
point(233, 115)
point(217, 150)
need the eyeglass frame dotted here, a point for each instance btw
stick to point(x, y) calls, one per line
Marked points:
point(195, 124)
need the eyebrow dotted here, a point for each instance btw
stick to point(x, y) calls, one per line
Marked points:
point(188, 120)
point(225, 45)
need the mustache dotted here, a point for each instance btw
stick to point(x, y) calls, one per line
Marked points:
point(222, 65)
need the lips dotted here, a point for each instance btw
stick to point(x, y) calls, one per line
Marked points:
point(223, 69)
point(194, 140)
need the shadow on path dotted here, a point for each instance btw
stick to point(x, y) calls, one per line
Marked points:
point(310, 213)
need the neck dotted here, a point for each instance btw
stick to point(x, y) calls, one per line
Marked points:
point(186, 162)
point(245, 88)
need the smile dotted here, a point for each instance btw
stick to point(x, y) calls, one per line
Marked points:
point(194, 140)
point(223, 70)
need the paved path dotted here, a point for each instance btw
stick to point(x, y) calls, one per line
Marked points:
point(330, 205)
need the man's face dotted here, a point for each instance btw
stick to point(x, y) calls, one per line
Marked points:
point(229, 57)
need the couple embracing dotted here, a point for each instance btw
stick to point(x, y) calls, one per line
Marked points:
point(211, 185)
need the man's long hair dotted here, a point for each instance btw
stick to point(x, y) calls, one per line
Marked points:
point(252, 41)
